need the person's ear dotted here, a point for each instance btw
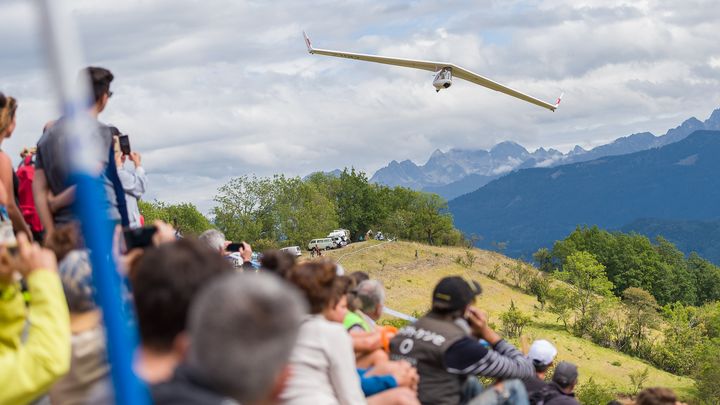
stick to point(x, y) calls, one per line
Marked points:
point(181, 345)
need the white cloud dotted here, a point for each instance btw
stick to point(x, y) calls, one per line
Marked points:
point(210, 90)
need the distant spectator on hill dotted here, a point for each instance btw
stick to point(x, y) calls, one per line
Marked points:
point(444, 346)
point(542, 354)
point(164, 282)
point(88, 381)
point(656, 396)
point(561, 391)
point(242, 328)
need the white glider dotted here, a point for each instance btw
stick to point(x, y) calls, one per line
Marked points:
point(444, 73)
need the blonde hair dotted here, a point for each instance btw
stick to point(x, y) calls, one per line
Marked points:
point(8, 106)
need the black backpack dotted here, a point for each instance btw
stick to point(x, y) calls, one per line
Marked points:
point(543, 396)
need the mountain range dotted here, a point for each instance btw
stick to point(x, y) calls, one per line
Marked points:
point(529, 209)
point(460, 171)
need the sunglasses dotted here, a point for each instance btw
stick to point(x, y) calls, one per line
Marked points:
point(3, 100)
point(109, 93)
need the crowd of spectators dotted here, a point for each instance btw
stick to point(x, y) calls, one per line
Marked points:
point(215, 329)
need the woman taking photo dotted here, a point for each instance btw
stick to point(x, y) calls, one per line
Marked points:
point(8, 179)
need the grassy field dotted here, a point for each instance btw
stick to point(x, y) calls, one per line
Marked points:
point(409, 281)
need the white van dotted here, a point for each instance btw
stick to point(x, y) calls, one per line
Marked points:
point(322, 244)
point(293, 250)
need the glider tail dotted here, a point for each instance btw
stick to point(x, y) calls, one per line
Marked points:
point(308, 43)
point(559, 99)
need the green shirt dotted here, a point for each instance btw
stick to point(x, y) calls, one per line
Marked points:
point(353, 319)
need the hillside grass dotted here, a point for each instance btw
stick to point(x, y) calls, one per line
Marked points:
point(409, 283)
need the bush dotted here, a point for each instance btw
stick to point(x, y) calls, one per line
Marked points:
point(514, 321)
point(594, 393)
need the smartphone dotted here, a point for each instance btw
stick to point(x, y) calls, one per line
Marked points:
point(234, 247)
point(139, 237)
point(124, 141)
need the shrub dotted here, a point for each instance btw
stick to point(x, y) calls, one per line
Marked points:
point(594, 393)
point(514, 321)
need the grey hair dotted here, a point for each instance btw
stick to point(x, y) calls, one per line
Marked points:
point(243, 327)
point(213, 238)
point(370, 293)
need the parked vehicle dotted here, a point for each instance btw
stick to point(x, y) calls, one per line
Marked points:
point(379, 236)
point(322, 244)
point(293, 250)
point(342, 233)
point(339, 242)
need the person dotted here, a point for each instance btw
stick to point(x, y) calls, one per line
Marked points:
point(8, 177)
point(656, 396)
point(27, 370)
point(278, 262)
point(542, 354)
point(444, 346)
point(217, 242)
point(322, 361)
point(52, 167)
point(134, 182)
point(26, 202)
point(164, 281)
point(88, 381)
point(371, 297)
point(228, 361)
point(561, 391)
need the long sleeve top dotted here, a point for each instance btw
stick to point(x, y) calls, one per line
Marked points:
point(469, 357)
point(134, 184)
point(323, 366)
point(28, 369)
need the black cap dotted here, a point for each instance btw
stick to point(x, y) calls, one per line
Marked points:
point(453, 293)
point(566, 374)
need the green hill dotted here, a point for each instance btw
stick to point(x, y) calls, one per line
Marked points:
point(409, 282)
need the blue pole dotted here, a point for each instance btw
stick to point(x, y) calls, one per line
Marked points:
point(65, 57)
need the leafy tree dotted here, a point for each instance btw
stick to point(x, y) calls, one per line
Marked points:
point(184, 217)
point(543, 259)
point(641, 314)
point(588, 283)
point(539, 286)
point(708, 375)
point(707, 278)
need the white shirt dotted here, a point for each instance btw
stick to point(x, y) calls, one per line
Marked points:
point(323, 366)
point(134, 184)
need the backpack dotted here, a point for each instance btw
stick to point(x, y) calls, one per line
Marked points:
point(543, 396)
point(26, 203)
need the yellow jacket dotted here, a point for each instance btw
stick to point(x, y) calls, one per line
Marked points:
point(27, 370)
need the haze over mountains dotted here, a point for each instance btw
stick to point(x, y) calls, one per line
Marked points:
point(460, 171)
point(529, 209)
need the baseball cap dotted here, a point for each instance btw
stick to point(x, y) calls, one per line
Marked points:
point(453, 293)
point(76, 277)
point(542, 352)
point(565, 374)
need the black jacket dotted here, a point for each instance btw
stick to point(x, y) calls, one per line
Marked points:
point(187, 389)
point(554, 395)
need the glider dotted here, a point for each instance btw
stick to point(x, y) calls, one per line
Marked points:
point(444, 73)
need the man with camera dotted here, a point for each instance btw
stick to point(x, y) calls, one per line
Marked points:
point(444, 345)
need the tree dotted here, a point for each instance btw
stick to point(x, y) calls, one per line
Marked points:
point(544, 261)
point(431, 217)
point(539, 286)
point(588, 283)
point(641, 314)
point(184, 217)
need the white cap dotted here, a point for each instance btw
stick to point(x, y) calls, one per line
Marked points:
point(542, 352)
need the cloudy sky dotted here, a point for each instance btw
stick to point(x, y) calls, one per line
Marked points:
point(210, 89)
